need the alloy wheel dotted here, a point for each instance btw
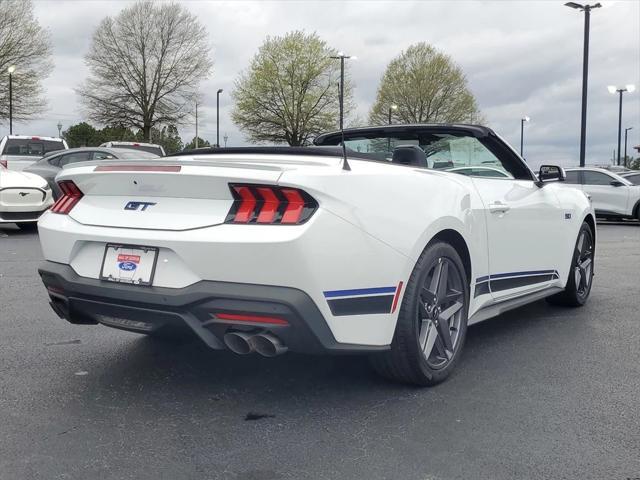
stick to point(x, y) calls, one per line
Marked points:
point(583, 270)
point(440, 311)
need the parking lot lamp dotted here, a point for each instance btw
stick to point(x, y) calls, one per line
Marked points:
point(585, 70)
point(613, 89)
point(391, 109)
point(522, 120)
point(218, 117)
point(11, 69)
point(626, 130)
point(341, 56)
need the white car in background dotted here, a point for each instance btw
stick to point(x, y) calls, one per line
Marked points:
point(269, 249)
point(23, 198)
point(20, 151)
point(613, 196)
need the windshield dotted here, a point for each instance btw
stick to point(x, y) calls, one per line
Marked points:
point(31, 147)
point(442, 150)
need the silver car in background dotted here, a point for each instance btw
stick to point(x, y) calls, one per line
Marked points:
point(49, 166)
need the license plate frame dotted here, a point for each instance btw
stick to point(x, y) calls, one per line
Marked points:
point(110, 266)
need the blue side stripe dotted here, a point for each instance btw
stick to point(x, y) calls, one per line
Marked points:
point(516, 274)
point(359, 291)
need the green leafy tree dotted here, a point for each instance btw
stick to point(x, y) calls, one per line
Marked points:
point(167, 137)
point(82, 135)
point(26, 46)
point(145, 66)
point(201, 143)
point(425, 86)
point(116, 133)
point(289, 93)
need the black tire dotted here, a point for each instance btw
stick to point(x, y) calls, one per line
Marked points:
point(578, 288)
point(28, 226)
point(406, 361)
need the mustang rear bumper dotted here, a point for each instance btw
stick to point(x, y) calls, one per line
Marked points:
point(83, 300)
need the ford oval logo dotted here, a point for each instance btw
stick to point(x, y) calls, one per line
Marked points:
point(127, 266)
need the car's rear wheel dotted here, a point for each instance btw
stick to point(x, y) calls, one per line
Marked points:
point(580, 280)
point(432, 322)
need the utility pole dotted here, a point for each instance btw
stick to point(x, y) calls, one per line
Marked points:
point(218, 117)
point(341, 56)
point(196, 124)
point(11, 69)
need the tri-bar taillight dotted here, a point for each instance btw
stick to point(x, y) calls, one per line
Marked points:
point(71, 195)
point(270, 205)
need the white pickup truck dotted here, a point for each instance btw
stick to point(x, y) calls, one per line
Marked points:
point(17, 152)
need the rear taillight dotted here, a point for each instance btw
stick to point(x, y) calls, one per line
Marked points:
point(4, 163)
point(270, 205)
point(71, 195)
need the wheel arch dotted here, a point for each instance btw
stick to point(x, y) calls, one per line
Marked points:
point(636, 210)
point(591, 221)
point(457, 241)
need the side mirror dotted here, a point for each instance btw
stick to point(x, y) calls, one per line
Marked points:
point(617, 183)
point(550, 173)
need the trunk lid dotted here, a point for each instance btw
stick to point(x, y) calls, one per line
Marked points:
point(181, 194)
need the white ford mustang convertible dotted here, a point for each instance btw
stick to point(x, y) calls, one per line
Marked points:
point(364, 243)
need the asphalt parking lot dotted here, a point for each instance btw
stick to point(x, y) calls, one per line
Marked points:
point(541, 392)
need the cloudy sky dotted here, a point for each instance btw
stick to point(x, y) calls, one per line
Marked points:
point(520, 57)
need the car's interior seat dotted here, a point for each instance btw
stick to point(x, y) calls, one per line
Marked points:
point(411, 155)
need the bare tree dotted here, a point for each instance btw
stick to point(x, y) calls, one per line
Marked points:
point(145, 67)
point(424, 85)
point(289, 94)
point(25, 45)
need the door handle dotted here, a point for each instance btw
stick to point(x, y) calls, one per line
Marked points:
point(499, 207)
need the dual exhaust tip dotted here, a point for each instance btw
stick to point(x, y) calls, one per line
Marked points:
point(265, 344)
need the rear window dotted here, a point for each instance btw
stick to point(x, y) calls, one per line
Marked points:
point(133, 154)
point(31, 147)
point(143, 148)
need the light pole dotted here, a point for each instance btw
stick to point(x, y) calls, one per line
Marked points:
point(585, 71)
point(218, 117)
point(522, 120)
point(341, 56)
point(626, 130)
point(391, 109)
point(225, 138)
point(196, 139)
point(59, 129)
point(11, 69)
point(613, 89)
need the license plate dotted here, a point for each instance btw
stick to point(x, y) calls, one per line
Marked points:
point(129, 264)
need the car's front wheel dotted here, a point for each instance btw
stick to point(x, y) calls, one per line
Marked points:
point(432, 322)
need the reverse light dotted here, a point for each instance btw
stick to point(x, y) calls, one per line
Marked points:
point(270, 205)
point(71, 195)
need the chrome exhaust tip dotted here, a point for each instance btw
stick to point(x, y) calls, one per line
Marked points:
point(268, 345)
point(239, 342)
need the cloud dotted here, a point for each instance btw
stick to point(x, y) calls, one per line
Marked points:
point(520, 58)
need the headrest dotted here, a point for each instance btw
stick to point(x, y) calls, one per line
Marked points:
point(411, 155)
